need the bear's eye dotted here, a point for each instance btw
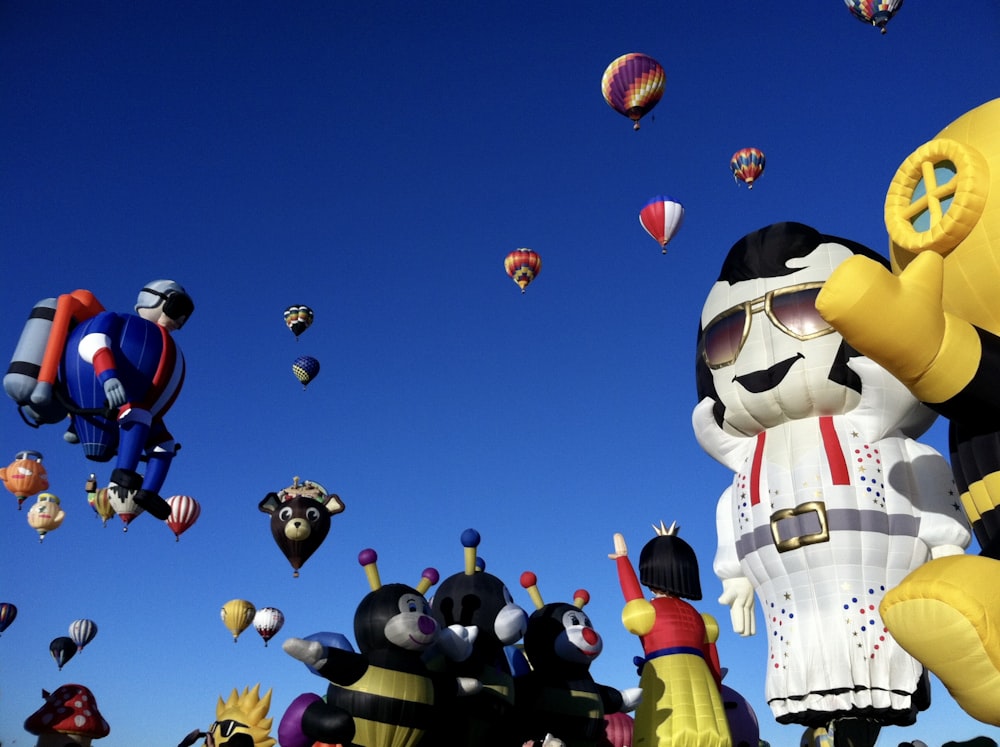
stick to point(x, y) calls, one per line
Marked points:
point(312, 514)
point(285, 513)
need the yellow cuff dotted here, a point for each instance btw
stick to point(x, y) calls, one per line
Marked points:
point(955, 364)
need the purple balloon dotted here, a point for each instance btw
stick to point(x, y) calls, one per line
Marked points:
point(290, 728)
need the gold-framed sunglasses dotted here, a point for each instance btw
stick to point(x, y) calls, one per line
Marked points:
point(791, 309)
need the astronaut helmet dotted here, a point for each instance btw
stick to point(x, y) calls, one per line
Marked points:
point(164, 302)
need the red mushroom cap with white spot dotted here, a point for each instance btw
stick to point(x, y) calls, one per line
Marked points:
point(71, 709)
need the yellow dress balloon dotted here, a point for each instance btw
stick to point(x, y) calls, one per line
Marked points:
point(237, 614)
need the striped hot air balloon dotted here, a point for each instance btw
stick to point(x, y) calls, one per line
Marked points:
point(184, 512)
point(633, 84)
point(875, 12)
point(662, 217)
point(82, 632)
point(747, 164)
point(523, 266)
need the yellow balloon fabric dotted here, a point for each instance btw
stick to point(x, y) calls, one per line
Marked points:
point(944, 614)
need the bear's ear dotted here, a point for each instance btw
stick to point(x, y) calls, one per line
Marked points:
point(270, 503)
point(333, 504)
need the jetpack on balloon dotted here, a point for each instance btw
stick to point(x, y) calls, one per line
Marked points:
point(832, 501)
point(935, 323)
point(71, 343)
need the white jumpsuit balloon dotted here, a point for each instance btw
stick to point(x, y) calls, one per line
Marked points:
point(832, 502)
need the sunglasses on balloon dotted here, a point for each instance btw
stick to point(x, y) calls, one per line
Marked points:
point(792, 310)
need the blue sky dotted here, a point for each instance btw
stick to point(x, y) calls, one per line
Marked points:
point(376, 162)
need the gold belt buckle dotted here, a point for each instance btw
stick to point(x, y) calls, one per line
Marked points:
point(793, 543)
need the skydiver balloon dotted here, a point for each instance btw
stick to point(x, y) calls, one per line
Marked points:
point(115, 374)
point(832, 502)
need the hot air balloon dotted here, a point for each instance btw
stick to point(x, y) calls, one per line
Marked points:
point(300, 518)
point(617, 730)
point(45, 515)
point(633, 84)
point(62, 649)
point(99, 500)
point(814, 431)
point(523, 266)
point(662, 217)
point(25, 476)
point(123, 503)
point(82, 632)
point(747, 165)
point(8, 612)
point(237, 614)
point(298, 319)
point(184, 512)
point(267, 622)
point(875, 12)
point(305, 368)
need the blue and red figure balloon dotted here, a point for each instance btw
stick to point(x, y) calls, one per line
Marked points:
point(115, 374)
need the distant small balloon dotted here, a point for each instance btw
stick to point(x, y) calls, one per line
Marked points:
point(298, 319)
point(237, 615)
point(875, 12)
point(267, 622)
point(662, 217)
point(8, 612)
point(747, 164)
point(62, 650)
point(523, 266)
point(305, 368)
point(184, 512)
point(82, 632)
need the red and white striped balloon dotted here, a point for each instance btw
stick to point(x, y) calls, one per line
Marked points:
point(184, 512)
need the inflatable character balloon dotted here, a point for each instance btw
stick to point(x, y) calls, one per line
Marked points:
point(115, 374)
point(934, 322)
point(476, 599)
point(832, 502)
point(558, 694)
point(300, 518)
point(240, 721)
point(680, 675)
point(69, 717)
point(25, 476)
point(384, 695)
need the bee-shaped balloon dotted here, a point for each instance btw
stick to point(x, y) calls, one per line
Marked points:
point(384, 695)
point(559, 695)
point(476, 599)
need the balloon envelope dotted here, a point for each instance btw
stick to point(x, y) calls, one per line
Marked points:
point(876, 12)
point(662, 217)
point(7, 614)
point(101, 503)
point(25, 476)
point(267, 622)
point(237, 614)
point(62, 649)
point(305, 368)
point(298, 319)
point(82, 632)
point(747, 164)
point(184, 512)
point(523, 266)
point(633, 84)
